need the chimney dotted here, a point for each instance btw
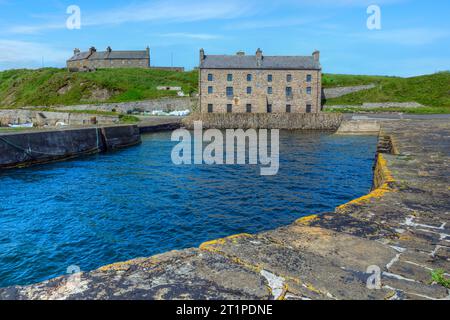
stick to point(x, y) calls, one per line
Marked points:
point(76, 51)
point(148, 51)
point(109, 49)
point(240, 53)
point(202, 55)
point(259, 57)
point(316, 55)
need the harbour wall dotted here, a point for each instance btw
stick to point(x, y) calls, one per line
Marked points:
point(50, 118)
point(30, 148)
point(288, 121)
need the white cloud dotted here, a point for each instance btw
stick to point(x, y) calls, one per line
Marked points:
point(25, 53)
point(161, 11)
point(171, 11)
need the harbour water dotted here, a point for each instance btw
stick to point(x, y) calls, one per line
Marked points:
point(132, 203)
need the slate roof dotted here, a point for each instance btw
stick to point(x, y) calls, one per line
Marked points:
point(105, 55)
point(268, 62)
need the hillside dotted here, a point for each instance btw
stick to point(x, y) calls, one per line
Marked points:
point(50, 86)
point(432, 90)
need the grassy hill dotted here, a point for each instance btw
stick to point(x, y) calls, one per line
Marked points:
point(432, 90)
point(50, 87)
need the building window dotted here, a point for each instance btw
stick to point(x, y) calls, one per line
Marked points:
point(210, 108)
point(308, 108)
point(308, 78)
point(229, 77)
point(269, 90)
point(289, 78)
point(249, 90)
point(229, 108)
point(288, 91)
point(269, 108)
point(210, 90)
point(230, 92)
point(249, 108)
point(288, 108)
point(308, 90)
point(249, 77)
point(210, 77)
point(269, 78)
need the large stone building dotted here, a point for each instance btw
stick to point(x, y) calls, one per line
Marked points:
point(260, 84)
point(94, 59)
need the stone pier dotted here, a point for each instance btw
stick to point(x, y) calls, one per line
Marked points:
point(400, 232)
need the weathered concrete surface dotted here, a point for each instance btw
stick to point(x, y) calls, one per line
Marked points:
point(359, 127)
point(289, 121)
point(37, 147)
point(402, 227)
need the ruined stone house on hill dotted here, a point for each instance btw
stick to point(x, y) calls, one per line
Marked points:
point(260, 84)
point(93, 59)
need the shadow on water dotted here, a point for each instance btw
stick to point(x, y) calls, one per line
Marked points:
point(134, 202)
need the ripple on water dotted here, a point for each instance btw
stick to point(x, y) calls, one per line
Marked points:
point(131, 203)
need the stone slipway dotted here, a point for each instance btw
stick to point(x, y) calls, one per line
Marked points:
point(402, 226)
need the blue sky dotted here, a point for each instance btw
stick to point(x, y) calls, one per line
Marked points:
point(414, 38)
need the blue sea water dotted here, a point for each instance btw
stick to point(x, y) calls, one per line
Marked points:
point(132, 203)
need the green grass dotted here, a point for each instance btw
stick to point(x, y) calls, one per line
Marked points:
point(432, 91)
point(438, 277)
point(128, 119)
point(19, 88)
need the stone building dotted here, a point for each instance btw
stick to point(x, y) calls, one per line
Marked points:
point(260, 84)
point(93, 59)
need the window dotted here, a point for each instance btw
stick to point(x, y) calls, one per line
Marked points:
point(289, 78)
point(269, 90)
point(210, 77)
point(249, 90)
point(249, 108)
point(229, 108)
point(288, 108)
point(269, 108)
point(288, 91)
point(249, 77)
point(230, 92)
point(308, 78)
point(308, 108)
point(210, 90)
point(308, 90)
point(229, 77)
point(210, 108)
point(269, 78)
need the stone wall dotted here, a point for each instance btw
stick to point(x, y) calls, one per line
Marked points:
point(259, 97)
point(47, 118)
point(377, 105)
point(164, 104)
point(293, 121)
point(79, 65)
point(29, 148)
point(330, 93)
